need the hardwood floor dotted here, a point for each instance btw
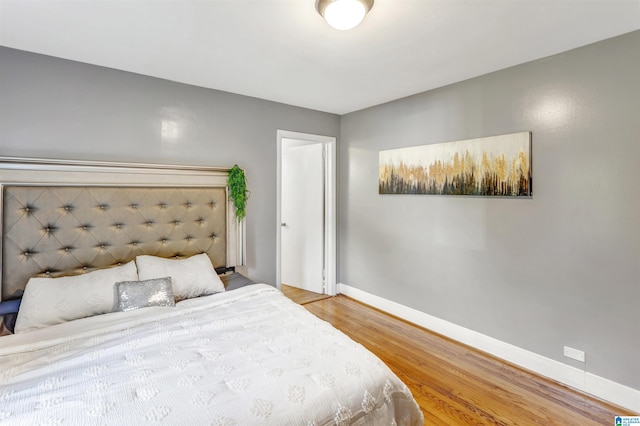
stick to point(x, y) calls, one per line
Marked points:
point(457, 385)
point(300, 296)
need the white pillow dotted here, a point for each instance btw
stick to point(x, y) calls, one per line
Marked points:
point(191, 277)
point(49, 301)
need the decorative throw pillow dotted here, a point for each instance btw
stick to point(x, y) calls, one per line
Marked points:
point(132, 295)
point(49, 301)
point(191, 277)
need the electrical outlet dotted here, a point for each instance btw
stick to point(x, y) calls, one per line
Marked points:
point(574, 354)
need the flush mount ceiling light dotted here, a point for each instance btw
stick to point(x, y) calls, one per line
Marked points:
point(343, 14)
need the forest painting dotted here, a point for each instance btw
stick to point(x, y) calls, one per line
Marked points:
point(492, 166)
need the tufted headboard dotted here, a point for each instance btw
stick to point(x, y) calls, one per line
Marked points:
point(59, 227)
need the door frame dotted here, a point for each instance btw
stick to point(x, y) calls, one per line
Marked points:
point(330, 148)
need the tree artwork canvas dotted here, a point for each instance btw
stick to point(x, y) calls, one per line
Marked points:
point(492, 166)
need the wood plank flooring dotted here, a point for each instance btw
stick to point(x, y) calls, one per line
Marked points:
point(300, 296)
point(458, 385)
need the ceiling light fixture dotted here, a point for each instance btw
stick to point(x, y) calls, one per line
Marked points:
point(343, 14)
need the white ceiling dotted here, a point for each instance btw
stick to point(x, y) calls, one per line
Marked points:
point(282, 50)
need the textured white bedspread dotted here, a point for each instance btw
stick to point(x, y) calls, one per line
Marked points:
point(245, 357)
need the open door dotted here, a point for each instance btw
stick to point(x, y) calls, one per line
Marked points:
point(302, 226)
point(306, 212)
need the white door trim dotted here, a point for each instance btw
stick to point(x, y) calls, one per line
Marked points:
point(330, 205)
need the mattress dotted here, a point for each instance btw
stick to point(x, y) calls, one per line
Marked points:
point(244, 357)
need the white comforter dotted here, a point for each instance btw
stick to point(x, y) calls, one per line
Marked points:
point(245, 357)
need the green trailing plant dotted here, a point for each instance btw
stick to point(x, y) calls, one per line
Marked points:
point(238, 191)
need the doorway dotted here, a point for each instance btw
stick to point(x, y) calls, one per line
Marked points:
point(306, 212)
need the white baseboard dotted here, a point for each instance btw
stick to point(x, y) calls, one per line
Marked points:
point(597, 386)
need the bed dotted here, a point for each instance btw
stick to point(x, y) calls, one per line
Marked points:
point(124, 318)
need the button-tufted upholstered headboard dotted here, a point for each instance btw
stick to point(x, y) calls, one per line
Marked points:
point(59, 229)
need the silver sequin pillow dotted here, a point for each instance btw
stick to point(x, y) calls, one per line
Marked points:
point(140, 294)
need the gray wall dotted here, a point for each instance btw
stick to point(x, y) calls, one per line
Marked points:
point(53, 108)
point(562, 268)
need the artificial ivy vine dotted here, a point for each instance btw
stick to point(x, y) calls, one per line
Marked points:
point(238, 191)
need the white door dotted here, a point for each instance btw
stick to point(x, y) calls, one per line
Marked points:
point(302, 214)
